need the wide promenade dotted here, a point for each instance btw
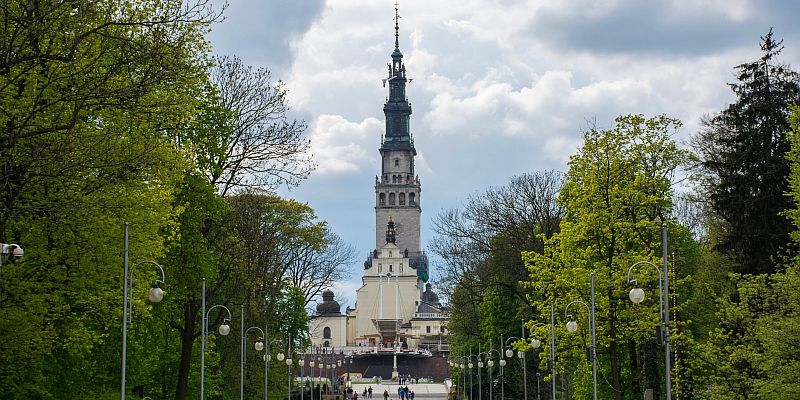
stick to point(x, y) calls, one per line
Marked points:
point(422, 391)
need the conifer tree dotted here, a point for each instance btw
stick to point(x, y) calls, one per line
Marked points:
point(742, 157)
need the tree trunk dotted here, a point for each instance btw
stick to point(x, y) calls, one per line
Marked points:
point(634, 360)
point(615, 378)
point(187, 343)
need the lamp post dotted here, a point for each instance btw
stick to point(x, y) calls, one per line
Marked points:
point(311, 364)
point(470, 365)
point(553, 346)
point(502, 372)
point(509, 353)
point(301, 362)
point(224, 330)
point(458, 363)
point(572, 326)
point(288, 359)
point(155, 295)
point(537, 343)
point(16, 251)
point(637, 296)
point(490, 364)
point(480, 365)
point(258, 346)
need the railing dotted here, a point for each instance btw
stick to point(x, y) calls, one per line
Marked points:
point(431, 316)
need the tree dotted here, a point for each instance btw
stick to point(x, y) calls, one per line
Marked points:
point(88, 90)
point(742, 158)
point(483, 241)
point(616, 196)
point(246, 139)
point(314, 269)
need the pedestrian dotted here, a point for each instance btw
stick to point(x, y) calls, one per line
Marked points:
point(411, 395)
point(355, 396)
point(369, 392)
point(386, 394)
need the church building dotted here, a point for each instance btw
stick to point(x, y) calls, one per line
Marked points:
point(396, 309)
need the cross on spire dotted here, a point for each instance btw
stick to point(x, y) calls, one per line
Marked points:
point(396, 27)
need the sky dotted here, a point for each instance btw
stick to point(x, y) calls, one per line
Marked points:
point(500, 87)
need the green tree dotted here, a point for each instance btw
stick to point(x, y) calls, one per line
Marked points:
point(617, 194)
point(742, 158)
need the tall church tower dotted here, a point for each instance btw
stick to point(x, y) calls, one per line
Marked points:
point(397, 189)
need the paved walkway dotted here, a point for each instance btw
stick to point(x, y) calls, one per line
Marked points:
point(422, 391)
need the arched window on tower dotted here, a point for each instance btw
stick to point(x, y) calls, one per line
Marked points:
point(401, 199)
point(382, 199)
point(326, 333)
point(391, 199)
point(412, 201)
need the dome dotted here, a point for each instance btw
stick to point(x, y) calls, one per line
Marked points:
point(328, 305)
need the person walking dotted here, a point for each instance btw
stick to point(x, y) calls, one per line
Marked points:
point(386, 394)
point(369, 392)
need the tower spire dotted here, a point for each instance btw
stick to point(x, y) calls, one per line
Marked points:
point(396, 27)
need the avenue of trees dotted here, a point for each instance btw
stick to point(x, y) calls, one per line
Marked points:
point(114, 112)
point(733, 232)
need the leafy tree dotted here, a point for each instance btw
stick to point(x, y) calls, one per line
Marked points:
point(742, 155)
point(246, 139)
point(481, 247)
point(617, 194)
point(482, 242)
point(88, 90)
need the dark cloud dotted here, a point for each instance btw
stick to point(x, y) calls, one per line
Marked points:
point(261, 31)
point(655, 27)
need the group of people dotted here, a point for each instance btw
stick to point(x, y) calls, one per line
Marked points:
point(350, 394)
point(404, 392)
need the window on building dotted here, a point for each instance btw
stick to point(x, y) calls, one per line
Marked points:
point(428, 329)
point(382, 199)
point(390, 268)
point(441, 329)
point(396, 162)
point(380, 268)
point(402, 199)
point(412, 199)
point(326, 333)
point(391, 199)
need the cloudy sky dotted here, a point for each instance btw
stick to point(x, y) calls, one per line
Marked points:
point(500, 87)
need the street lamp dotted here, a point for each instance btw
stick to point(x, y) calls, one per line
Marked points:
point(572, 326)
point(259, 346)
point(311, 364)
point(155, 295)
point(458, 363)
point(287, 358)
point(224, 330)
point(502, 373)
point(637, 296)
point(537, 343)
point(470, 365)
point(480, 365)
point(509, 353)
point(10, 250)
point(490, 364)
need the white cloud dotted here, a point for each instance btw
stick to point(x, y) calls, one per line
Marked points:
point(339, 145)
point(500, 87)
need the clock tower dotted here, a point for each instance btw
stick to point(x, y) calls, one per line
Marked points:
point(397, 189)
